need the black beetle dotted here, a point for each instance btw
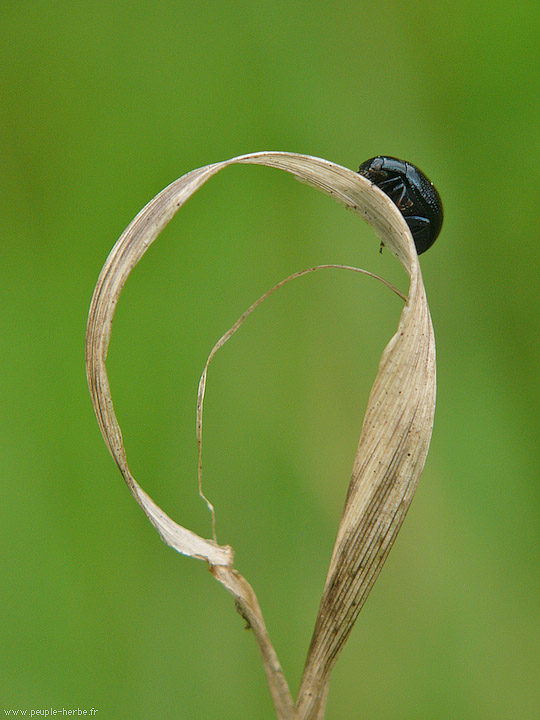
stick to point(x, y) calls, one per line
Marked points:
point(412, 192)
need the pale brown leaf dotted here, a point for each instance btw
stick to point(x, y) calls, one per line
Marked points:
point(393, 444)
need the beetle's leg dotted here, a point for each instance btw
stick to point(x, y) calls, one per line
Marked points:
point(417, 224)
point(396, 190)
point(420, 230)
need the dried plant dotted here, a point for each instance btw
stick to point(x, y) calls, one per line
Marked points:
point(393, 444)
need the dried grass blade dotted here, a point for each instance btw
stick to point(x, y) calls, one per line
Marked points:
point(393, 444)
point(391, 454)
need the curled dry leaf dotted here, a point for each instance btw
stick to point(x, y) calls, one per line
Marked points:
point(393, 445)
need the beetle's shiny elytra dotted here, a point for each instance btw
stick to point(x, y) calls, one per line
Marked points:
point(412, 192)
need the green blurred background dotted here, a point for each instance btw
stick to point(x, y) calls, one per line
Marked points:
point(103, 104)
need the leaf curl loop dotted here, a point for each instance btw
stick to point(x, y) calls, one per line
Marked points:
point(393, 444)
